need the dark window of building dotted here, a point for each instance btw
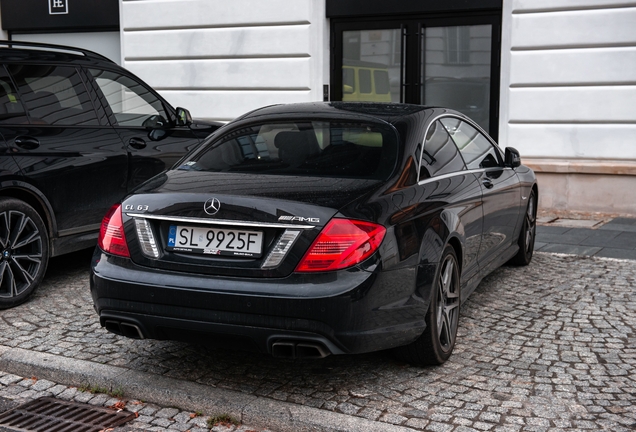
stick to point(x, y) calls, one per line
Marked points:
point(433, 53)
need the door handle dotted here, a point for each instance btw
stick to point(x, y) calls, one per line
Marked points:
point(137, 143)
point(487, 182)
point(26, 142)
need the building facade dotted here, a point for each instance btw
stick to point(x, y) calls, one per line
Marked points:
point(553, 78)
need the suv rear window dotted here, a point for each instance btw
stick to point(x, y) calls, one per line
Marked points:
point(317, 148)
point(54, 95)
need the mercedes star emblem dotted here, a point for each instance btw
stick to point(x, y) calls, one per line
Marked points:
point(212, 206)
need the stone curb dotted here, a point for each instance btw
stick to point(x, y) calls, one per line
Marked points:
point(170, 392)
point(600, 258)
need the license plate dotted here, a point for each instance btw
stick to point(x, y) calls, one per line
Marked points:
point(215, 241)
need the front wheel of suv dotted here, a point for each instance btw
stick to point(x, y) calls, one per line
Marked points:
point(24, 251)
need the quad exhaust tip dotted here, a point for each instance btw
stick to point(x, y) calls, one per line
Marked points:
point(303, 349)
point(124, 329)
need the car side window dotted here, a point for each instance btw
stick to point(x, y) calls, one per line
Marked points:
point(132, 103)
point(476, 149)
point(11, 109)
point(364, 75)
point(439, 155)
point(54, 95)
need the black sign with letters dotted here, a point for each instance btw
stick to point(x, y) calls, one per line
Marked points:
point(25, 16)
point(58, 7)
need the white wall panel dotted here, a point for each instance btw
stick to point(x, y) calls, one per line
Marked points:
point(573, 66)
point(573, 104)
point(220, 58)
point(568, 87)
point(554, 5)
point(585, 141)
point(165, 14)
point(220, 42)
point(596, 27)
point(227, 105)
point(276, 73)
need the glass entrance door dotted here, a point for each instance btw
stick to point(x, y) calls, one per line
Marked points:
point(372, 65)
point(455, 69)
point(450, 61)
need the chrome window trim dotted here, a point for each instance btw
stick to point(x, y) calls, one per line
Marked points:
point(186, 219)
point(461, 118)
point(463, 172)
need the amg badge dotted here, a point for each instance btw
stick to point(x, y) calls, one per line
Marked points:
point(299, 219)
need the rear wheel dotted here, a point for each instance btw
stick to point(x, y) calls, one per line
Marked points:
point(436, 344)
point(24, 251)
point(527, 234)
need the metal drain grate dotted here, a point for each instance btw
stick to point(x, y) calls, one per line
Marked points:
point(52, 415)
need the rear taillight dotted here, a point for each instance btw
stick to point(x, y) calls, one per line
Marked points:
point(111, 234)
point(341, 244)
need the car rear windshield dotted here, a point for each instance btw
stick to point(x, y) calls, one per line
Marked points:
point(312, 148)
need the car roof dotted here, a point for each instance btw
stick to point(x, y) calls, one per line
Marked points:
point(388, 112)
point(30, 51)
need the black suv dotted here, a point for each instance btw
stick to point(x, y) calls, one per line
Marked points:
point(78, 132)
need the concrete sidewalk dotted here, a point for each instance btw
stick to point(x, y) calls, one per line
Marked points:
point(613, 239)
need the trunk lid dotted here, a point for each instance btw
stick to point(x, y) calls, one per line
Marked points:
point(232, 224)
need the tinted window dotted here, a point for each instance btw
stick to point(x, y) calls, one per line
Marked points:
point(304, 149)
point(11, 110)
point(54, 95)
point(440, 155)
point(475, 148)
point(131, 102)
point(381, 81)
point(348, 77)
point(364, 75)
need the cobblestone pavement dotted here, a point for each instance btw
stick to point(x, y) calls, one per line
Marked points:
point(16, 390)
point(548, 347)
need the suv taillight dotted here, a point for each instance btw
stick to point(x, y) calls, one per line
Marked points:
point(341, 244)
point(111, 234)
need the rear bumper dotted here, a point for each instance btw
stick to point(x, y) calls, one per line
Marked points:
point(352, 311)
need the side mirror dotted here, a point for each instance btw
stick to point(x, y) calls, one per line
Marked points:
point(512, 157)
point(184, 118)
point(347, 89)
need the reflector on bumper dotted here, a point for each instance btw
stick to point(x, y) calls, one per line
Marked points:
point(146, 238)
point(279, 252)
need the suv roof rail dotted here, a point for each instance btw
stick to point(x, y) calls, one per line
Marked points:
point(52, 47)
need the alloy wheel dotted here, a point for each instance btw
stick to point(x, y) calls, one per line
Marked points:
point(448, 303)
point(531, 224)
point(20, 253)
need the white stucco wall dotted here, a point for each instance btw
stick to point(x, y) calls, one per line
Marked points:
point(568, 78)
point(221, 58)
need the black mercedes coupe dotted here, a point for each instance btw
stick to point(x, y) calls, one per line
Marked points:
point(305, 230)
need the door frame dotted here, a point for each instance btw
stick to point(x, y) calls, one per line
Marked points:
point(412, 50)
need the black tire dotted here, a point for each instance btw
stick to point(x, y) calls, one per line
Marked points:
point(527, 234)
point(24, 251)
point(436, 344)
